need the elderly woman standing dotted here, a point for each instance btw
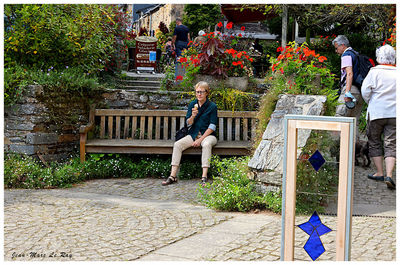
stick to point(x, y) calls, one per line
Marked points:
point(202, 119)
point(379, 92)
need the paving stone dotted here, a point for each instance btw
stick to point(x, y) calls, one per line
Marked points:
point(101, 220)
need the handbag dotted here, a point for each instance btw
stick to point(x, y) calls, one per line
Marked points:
point(182, 132)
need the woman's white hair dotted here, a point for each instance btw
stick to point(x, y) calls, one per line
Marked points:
point(201, 33)
point(386, 55)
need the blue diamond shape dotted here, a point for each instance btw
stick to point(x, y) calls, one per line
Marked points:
point(316, 160)
point(314, 223)
point(315, 228)
point(313, 246)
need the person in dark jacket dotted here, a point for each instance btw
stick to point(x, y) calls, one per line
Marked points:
point(181, 37)
point(202, 119)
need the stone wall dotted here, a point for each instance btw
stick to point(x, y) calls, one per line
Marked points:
point(133, 99)
point(48, 123)
point(268, 157)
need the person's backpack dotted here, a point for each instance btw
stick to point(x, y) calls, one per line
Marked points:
point(364, 65)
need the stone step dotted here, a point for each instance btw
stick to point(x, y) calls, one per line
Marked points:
point(141, 83)
point(140, 88)
point(143, 76)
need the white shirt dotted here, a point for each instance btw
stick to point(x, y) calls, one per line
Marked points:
point(379, 92)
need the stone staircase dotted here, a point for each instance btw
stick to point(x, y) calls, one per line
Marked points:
point(141, 82)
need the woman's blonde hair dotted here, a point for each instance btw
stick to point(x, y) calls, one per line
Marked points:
point(204, 85)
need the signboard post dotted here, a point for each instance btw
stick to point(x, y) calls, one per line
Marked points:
point(146, 48)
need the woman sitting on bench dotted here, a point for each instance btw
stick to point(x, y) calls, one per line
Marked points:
point(202, 119)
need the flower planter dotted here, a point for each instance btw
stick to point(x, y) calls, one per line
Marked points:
point(239, 83)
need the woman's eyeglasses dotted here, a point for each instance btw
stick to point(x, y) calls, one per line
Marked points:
point(200, 92)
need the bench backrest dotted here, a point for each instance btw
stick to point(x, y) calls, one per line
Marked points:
point(163, 124)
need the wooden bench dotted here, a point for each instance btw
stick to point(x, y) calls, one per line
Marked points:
point(153, 132)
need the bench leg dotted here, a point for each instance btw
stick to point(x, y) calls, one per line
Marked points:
point(82, 147)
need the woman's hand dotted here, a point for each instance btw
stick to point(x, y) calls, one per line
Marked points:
point(197, 142)
point(195, 111)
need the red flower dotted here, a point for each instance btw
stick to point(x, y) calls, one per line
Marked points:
point(219, 25)
point(179, 77)
point(281, 69)
point(279, 49)
point(183, 59)
point(322, 58)
point(243, 28)
point(240, 35)
point(229, 25)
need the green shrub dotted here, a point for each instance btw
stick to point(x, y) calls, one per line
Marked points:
point(231, 189)
point(58, 35)
point(16, 78)
point(22, 171)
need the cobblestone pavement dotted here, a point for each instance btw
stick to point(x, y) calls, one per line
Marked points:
point(124, 219)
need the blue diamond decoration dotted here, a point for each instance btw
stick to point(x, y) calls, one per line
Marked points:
point(316, 160)
point(315, 228)
point(314, 247)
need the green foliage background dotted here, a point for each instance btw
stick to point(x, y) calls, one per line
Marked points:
point(56, 36)
point(201, 17)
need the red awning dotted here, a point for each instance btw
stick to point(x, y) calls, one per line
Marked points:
point(235, 14)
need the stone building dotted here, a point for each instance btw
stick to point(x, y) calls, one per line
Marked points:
point(150, 16)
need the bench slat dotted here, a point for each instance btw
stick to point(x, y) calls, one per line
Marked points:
point(229, 130)
point(110, 127)
point(173, 127)
point(126, 126)
point(237, 129)
point(102, 126)
point(165, 124)
point(253, 128)
point(221, 128)
point(158, 128)
point(142, 128)
point(245, 130)
point(150, 128)
point(134, 126)
point(117, 127)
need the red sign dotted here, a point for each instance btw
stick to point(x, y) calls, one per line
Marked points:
point(146, 48)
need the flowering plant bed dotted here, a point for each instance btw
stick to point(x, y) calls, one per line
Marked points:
point(220, 55)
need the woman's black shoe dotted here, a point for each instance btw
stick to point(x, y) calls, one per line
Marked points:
point(390, 183)
point(378, 178)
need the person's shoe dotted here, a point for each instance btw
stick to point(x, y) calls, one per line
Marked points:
point(390, 183)
point(378, 178)
point(170, 180)
point(203, 182)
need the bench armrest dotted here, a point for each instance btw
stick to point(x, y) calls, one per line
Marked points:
point(84, 129)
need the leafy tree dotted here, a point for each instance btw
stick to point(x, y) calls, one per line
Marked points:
point(345, 18)
point(45, 36)
point(201, 17)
